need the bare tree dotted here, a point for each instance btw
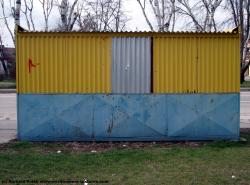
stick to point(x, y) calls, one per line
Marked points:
point(232, 7)
point(245, 35)
point(28, 13)
point(10, 16)
point(103, 15)
point(201, 13)
point(119, 16)
point(244, 25)
point(240, 17)
point(164, 12)
point(47, 7)
point(2, 56)
point(68, 13)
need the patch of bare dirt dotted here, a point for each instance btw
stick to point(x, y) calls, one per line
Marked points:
point(97, 147)
point(94, 147)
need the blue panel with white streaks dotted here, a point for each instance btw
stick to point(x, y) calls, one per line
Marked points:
point(75, 117)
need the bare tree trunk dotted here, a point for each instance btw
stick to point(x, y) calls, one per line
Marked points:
point(117, 21)
point(245, 37)
point(171, 14)
point(235, 16)
point(68, 14)
point(2, 56)
point(241, 20)
point(240, 11)
point(205, 23)
point(1, 51)
point(17, 12)
point(156, 8)
point(163, 18)
point(63, 12)
point(71, 21)
point(246, 31)
point(174, 13)
point(163, 11)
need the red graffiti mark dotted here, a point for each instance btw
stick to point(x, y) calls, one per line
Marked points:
point(31, 65)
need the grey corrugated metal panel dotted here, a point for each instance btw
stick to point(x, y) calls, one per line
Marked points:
point(131, 64)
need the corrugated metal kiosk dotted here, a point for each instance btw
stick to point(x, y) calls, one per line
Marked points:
point(127, 86)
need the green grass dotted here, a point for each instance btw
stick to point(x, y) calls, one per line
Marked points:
point(209, 163)
point(7, 84)
point(245, 84)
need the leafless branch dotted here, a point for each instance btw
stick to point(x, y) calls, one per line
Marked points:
point(6, 21)
point(47, 6)
point(103, 15)
point(143, 8)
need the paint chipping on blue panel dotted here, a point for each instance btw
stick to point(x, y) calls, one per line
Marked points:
point(128, 117)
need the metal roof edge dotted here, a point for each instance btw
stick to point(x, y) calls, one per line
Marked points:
point(22, 30)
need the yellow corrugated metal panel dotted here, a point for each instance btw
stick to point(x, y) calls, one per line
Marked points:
point(174, 64)
point(63, 63)
point(196, 64)
point(89, 61)
point(218, 65)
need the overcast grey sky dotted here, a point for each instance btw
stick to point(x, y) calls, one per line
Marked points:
point(137, 21)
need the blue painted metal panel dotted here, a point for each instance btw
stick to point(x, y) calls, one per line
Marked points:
point(204, 116)
point(55, 117)
point(128, 117)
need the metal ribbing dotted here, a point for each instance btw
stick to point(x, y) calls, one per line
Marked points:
point(64, 64)
point(131, 65)
point(218, 65)
point(174, 65)
point(81, 63)
point(196, 64)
